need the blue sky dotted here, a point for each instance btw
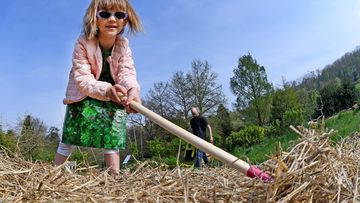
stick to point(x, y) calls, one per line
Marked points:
point(289, 38)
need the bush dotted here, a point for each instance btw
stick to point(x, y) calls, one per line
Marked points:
point(247, 137)
point(170, 161)
point(274, 129)
point(157, 147)
point(293, 117)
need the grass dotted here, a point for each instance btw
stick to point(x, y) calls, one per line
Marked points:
point(344, 122)
point(262, 152)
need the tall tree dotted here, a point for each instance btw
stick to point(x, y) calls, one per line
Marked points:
point(284, 100)
point(32, 137)
point(158, 99)
point(328, 96)
point(251, 87)
point(207, 94)
point(308, 100)
point(181, 95)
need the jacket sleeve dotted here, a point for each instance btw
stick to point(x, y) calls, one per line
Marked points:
point(83, 76)
point(127, 71)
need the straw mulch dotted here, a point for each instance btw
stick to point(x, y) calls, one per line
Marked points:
point(312, 171)
point(316, 170)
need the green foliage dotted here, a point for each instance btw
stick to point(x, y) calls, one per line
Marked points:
point(274, 129)
point(81, 157)
point(162, 148)
point(170, 161)
point(283, 100)
point(157, 147)
point(251, 87)
point(44, 155)
point(357, 91)
point(261, 152)
point(247, 137)
point(328, 99)
point(308, 101)
point(293, 117)
point(223, 123)
point(346, 96)
point(134, 149)
point(335, 97)
point(345, 123)
point(8, 140)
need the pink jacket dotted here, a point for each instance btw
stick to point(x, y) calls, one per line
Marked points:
point(87, 64)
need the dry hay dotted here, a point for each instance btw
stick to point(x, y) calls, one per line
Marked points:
point(25, 181)
point(312, 171)
point(315, 170)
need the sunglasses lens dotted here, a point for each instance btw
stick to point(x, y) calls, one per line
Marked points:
point(120, 15)
point(104, 14)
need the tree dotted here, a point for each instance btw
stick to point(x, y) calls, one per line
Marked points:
point(181, 95)
point(284, 100)
point(53, 134)
point(158, 99)
point(328, 98)
point(346, 96)
point(207, 94)
point(224, 123)
point(308, 101)
point(251, 87)
point(32, 137)
point(8, 140)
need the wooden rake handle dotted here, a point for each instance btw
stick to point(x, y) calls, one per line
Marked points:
point(221, 155)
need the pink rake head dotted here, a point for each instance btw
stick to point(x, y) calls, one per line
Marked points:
point(254, 171)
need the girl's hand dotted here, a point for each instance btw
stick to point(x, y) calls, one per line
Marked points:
point(132, 95)
point(112, 94)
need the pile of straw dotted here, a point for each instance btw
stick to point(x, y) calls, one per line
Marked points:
point(316, 170)
point(312, 171)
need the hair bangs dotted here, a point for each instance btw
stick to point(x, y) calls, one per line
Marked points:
point(120, 5)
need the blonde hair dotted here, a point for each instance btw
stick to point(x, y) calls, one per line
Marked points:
point(90, 27)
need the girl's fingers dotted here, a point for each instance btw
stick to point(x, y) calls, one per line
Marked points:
point(134, 94)
point(114, 95)
point(121, 89)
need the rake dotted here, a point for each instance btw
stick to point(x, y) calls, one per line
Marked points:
point(223, 156)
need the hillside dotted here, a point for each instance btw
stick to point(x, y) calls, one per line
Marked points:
point(346, 67)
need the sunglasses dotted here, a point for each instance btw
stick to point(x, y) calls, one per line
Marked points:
point(102, 14)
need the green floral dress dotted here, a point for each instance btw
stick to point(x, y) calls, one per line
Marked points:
point(94, 123)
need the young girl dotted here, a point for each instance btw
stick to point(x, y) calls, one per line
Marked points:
point(102, 68)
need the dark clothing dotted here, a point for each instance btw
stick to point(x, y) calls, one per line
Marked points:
point(105, 72)
point(198, 125)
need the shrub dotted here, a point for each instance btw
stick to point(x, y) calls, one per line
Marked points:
point(157, 147)
point(274, 129)
point(293, 117)
point(170, 161)
point(247, 137)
